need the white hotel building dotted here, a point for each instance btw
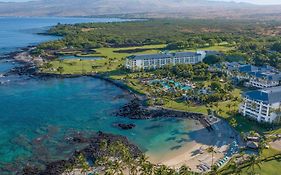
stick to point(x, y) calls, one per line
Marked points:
point(262, 105)
point(154, 61)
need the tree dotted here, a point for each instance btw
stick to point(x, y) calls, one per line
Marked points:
point(216, 86)
point(83, 164)
point(212, 59)
point(60, 70)
point(214, 170)
point(69, 169)
point(262, 145)
point(236, 169)
point(276, 47)
point(184, 170)
point(163, 170)
point(228, 105)
point(254, 161)
point(233, 122)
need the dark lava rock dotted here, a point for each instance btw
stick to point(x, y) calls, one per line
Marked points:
point(125, 126)
point(30, 170)
point(135, 110)
point(92, 152)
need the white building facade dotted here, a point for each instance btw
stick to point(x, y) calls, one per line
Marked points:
point(154, 61)
point(263, 83)
point(258, 77)
point(262, 105)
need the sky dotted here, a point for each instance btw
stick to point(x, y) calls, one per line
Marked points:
point(257, 1)
point(250, 1)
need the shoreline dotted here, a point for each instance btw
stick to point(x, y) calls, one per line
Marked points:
point(91, 152)
point(136, 109)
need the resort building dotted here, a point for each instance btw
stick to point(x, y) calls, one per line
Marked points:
point(263, 105)
point(259, 77)
point(154, 61)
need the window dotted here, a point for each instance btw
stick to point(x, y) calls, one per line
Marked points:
point(162, 61)
point(146, 63)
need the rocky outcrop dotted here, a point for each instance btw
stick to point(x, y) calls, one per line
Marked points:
point(135, 110)
point(125, 126)
point(91, 152)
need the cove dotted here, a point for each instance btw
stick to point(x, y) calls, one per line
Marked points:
point(32, 108)
point(37, 116)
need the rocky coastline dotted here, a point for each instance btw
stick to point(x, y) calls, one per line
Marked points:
point(136, 110)
point(92, 152)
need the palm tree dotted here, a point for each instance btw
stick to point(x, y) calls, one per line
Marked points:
point(211, 150)
point(214, 170)
point(184, 170)
point(69, 169)
point(229, 106)
point(254, 162)
point(236, 169)
point(163, 170)
point(262, 145)
point(117, 167)
point(146, 168)
point(233, 122)
point(60, 70)
point(83, 164)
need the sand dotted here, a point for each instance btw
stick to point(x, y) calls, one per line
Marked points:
point(194, 153)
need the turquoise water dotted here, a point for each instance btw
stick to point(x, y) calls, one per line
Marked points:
point(71, 57)
point(37, 115)
point(29, 107)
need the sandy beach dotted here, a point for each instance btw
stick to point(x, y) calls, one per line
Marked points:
point(195, 152)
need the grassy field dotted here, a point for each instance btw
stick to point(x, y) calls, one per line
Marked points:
point(184, 107)
point(278, 131)
point(268, 168)
point(222, 106)
point(212, 48)
point(112, 61)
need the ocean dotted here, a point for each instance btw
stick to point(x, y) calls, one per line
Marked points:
point(37, 115)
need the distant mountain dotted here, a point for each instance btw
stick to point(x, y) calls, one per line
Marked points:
point(139, 8)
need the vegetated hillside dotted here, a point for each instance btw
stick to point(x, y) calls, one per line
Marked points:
point(140, 8)
point(259, 42)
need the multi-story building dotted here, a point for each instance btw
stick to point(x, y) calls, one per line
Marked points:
point(263, 105)
point(259, 77)
point(154, 61)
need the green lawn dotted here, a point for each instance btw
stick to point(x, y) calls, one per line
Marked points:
point(269, 168)
point(272, 167)
point(226, 111)
point(184, 107)
point(278, 131)
point(111, 62)
point(211, 48)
